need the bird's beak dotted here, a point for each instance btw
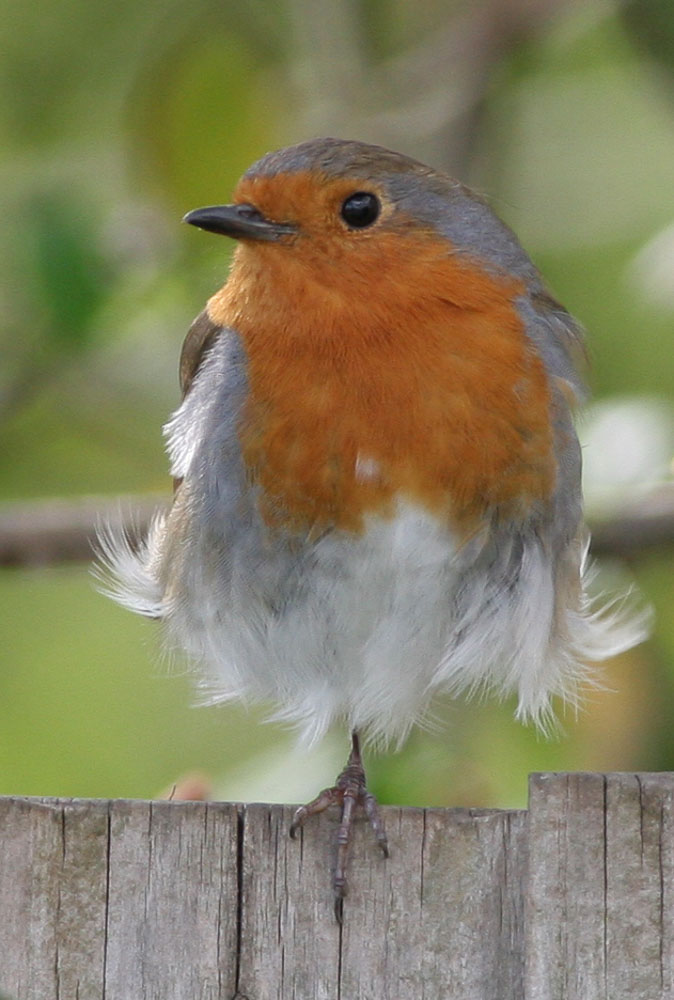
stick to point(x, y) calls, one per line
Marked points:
point(241, 222)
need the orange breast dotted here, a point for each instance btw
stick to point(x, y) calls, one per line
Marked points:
point(390, 368)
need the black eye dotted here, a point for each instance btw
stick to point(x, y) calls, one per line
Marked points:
point(360, 209)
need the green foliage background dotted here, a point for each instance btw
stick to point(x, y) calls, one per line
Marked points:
point(116, 120)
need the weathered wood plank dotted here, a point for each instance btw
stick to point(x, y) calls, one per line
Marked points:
point(443, 916)
point(289, 937)
point(118, 900)
point(639, 884)
point(600, 902)
point(195, 901)
point(52, 898)
point(172, 912)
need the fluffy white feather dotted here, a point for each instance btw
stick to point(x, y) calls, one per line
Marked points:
point(385, 621)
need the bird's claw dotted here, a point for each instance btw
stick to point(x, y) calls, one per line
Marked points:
point(350, 792)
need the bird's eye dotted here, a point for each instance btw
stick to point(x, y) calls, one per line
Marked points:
point(361, 209)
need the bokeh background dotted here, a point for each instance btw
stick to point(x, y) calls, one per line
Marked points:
point(114, 121)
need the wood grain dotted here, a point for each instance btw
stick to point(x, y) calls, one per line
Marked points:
point(138, 900)
point(444, 912)
point(599, 902)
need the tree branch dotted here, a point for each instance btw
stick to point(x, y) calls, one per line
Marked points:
point(51, 532)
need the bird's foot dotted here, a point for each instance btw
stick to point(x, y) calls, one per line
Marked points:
point(350, 792)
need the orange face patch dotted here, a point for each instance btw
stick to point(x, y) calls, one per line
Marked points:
point(312, 201)
point(381, 365)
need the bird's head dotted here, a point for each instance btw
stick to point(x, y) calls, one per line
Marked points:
point(349, 215)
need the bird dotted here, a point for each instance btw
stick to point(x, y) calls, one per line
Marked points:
point(377, 477)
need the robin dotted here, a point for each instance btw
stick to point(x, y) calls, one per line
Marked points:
point(377, 477)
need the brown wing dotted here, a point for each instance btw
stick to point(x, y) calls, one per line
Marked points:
point(200, 337)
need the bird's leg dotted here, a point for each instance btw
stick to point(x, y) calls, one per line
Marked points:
point(350, 792)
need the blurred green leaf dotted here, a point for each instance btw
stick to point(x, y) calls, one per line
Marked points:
point(650, 24)
point(70, 277)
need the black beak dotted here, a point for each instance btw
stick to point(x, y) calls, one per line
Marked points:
point(241, 222)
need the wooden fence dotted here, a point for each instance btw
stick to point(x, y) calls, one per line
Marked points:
point(572, 899)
